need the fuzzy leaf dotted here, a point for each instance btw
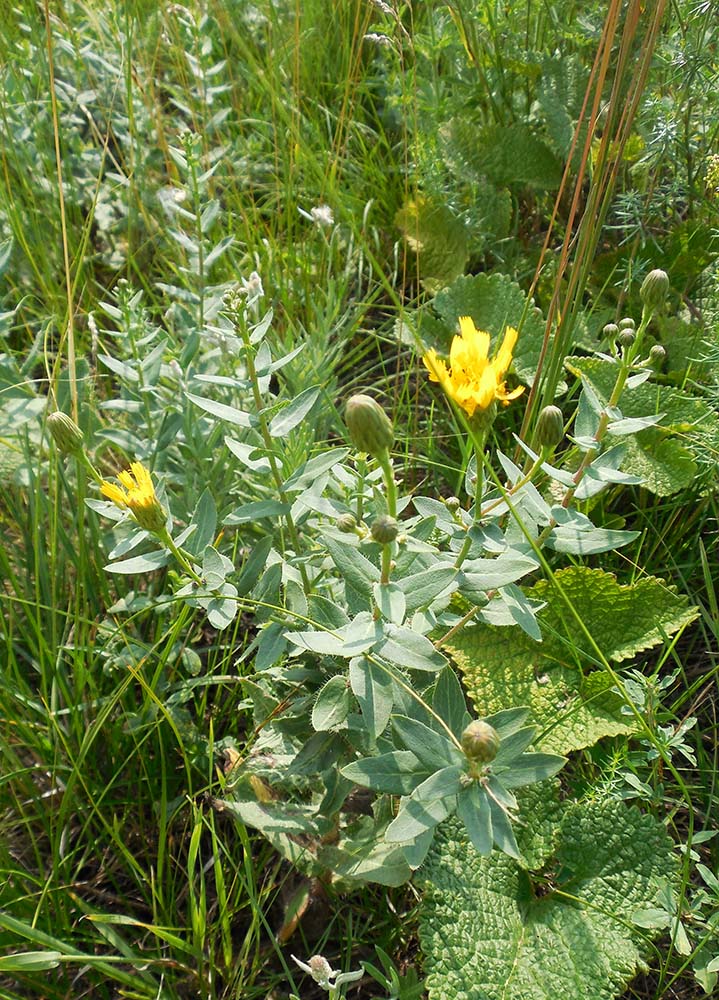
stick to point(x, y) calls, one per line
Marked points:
point(503, 667)
point(438, 238)
point(486, 935)
point(664, 455)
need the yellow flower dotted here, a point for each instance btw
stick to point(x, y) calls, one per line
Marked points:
point(472, 380)
point(137, 495)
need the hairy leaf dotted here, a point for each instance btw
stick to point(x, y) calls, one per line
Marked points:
point(503, 667)
point(491, 931)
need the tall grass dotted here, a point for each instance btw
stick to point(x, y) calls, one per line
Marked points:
point(117, 705)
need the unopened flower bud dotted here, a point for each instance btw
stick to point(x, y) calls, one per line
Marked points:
point(657, 356)
point(550, 427)
point(610, 331)
point(627, 323)
point(626, 337)
point(452, 503)
point(384, 529)
point(347, 523)
point(369, 426)
point(65, 433)
point(655, 289)
point(480, 742)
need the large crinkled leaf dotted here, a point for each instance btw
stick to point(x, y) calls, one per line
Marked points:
point(438, 238)
point(503, 667)
point(664, 456)
point(506, 154)
point(491, 931)
point(494, 302)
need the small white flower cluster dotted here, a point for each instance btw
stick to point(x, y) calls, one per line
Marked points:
point(321, 215)
point(252, 288)
point(323, 973)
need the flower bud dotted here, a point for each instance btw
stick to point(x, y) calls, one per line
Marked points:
point(627, 323)
point(657, 356)
point(610, 331)
point(369, 427)
point(384, 529)
point(452, 503)
point(346, 523)
point(550, 427)
point(655, 289)
point(626, 337)
point(480, 742)
point(65, 433)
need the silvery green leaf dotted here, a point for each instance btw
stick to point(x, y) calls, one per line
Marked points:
point(448, 701)
point(396, 773)
point(309, 471)
point(511, 746)
point(410, 650)
point(261, 328)
point(508, 721)
point(470, 476)
point(254, 565)
point(230, 414)
point(421, 589)
point(429, 507)
point(474, 811)
point(275, 366)
point(432, 749)
point(534, 503)
point(249, 455)
point(322, 643)
point(333, 704)
point(294, 412)
point(218, 250)
point(373, 689)
point(121, 368)
point(221, 609)
point(204, 521)
point(530, 768)
point(441, 784)
point(566, 538)
point(522, 611)
point(632, 425)
point(255, 511)
point(360, 634)
point(391, 602)
point(583, 443)
point(597, 477)
point(130, 542)
point(215, 568)
point(560, 475)
point(355, 568)
point(502, 830)
point(146, 563)
point(565, 515)
point(491, 574)
point(416, 818)
point(634, 380)
point(416, 850)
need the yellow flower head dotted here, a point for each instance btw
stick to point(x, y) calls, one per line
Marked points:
point(472, 380)
point(137, 494)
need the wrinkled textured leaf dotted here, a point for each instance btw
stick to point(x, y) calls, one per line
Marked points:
point(503, 667)
point(487, 935)
point(664, 455)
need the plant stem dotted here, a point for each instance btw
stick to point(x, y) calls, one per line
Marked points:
point(390, 485)
point(271, 456)
point(478, 443)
